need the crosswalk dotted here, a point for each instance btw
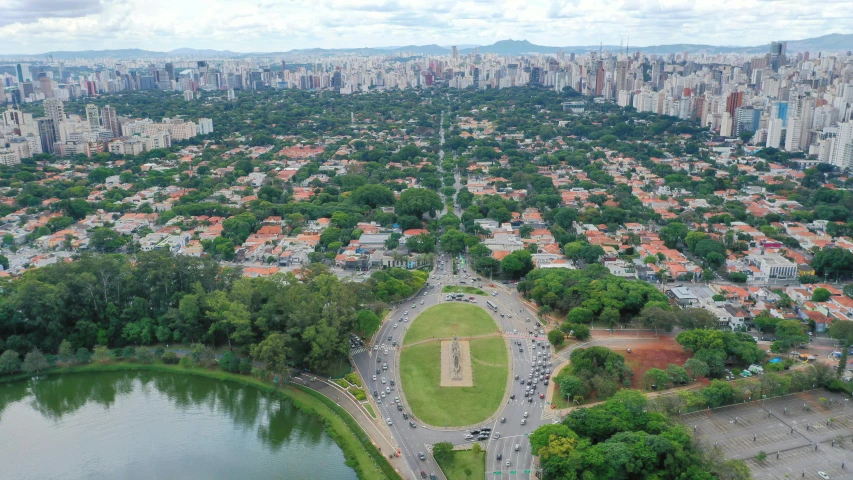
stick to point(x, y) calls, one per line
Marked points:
point(357, 350)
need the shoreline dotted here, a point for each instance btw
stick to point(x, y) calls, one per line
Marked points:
point(360, 454)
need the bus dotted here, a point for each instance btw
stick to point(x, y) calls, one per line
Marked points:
point(492, 306)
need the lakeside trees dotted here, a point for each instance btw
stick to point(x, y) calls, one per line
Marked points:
point(109, 300)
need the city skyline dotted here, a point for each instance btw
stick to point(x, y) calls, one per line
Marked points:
point(30, 27)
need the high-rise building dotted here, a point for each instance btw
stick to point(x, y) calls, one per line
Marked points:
point(47, 134)
point(774, 133)
point(726, 125)
point(842, 148)
point(747, 119)
point(453, 52)
point(93, 119)
point(46, 87)
point(734, 100)
point(170, 70)
point(20, 73)
point(108, 114)
point(54, 109)
point(476, 78)
point(777, 54)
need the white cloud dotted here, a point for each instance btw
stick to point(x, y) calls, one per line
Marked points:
point(35, 26)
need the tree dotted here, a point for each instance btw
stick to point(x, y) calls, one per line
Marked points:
point(144, 355)
point(202, 354)
point(34, 362)
point(655, 377)
point(106, 240)
point(373, 196)
point(82, 355)
point(719, 393)
point(581, 332)
point(421, 243)
point(571, 385)
point(453, 242)
point(441, 450)
point(843, 332)
point(821, 295)
point(833, 262)
point(273, 352)
point(468, 472)
point(790, 333)
point(609, 316)
point(579, 315)
point(696, 318)
point(696, 367)
point(66, 351)
point(676, 373)
point(4, 262)
point(10, 362)
point(476, 449)
point(657, 318)
point(367, 322)
point(517, 263)
point(417, 202)
point(170, 358)
point(556, 338)
point(101, 354)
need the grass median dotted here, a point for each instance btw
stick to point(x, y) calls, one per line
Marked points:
point(455, 464)
point(420, 373)
point(459, 289)
point(449, 319)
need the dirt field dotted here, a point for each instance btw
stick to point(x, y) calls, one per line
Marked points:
point(648, 355)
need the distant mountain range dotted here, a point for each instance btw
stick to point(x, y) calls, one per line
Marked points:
point(835, 42)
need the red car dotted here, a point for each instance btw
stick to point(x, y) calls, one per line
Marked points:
point(423, 474)
point(541, 396)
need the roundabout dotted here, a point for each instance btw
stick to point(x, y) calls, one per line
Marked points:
point(421, 364)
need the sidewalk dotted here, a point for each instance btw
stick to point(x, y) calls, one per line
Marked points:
point(374, 429)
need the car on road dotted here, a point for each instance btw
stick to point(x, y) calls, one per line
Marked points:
point(512, 397)
point(383, 380)
point(382, 394)
point(423, 474)
point(392, 382)
point(524, 421)
point(468, 436)
point(377, 372)
point(530, 400)
point(388, 421)
point(399, 408)
point(496, 435)
point(406, 312)
point(541, 396)
point(526, 414)
point(508, 463)
point(388, 390)
point(503, 420)
point(394, 343)
point(823, 475)
point(405, 415)
point(395, 325)
point(374, 378)
point(412, 424)
point(421, 455)
point(500, 456)
point(389, 338)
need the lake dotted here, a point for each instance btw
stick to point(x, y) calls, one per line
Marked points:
point(152, 425)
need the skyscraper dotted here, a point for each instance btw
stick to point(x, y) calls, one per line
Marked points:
point(453, 52)
point(46, 87)
point(93, 119)
point(108, 114)
point(734, 100)
point(20, 73)
point(777, 54)
point(55, 111)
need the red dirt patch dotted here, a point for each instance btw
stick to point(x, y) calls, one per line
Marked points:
point(647, 355)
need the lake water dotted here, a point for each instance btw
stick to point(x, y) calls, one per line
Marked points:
point(151, 425)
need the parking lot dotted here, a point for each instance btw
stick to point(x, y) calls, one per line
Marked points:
point(801, 434)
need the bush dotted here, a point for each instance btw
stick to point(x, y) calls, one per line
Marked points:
point(358, 394)
point(259, 372)
point(556, 338)
point(581, 332)
point(245, 366)
point(144, 355)
point(170, 358)
point(353, 379)
point(83, 355)
point(342, 383)
point(230, 363)
point(186, 362)
point(128, 352)
point(159, 351)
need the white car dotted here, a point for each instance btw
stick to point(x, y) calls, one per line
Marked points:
point(395, 325)
point(388, 421)
point(374, 378)
point(823, 475)
point(383, 381)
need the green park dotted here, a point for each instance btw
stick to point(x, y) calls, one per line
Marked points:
point(420, 366)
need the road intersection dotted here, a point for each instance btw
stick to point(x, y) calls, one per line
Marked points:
point(512, 318)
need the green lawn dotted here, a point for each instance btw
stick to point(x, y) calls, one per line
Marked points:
point(454, 465)
point(449, 319)
point(468, 290)
point(420, 374)
point(369, 409)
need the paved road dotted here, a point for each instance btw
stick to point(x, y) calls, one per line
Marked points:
point(515, 327)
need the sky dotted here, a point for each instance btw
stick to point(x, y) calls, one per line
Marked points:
point(36, 26)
